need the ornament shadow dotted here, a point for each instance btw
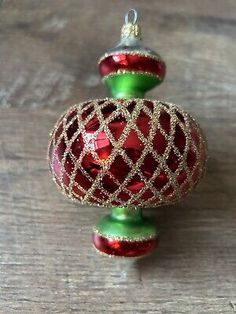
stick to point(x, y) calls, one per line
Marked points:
point(186, 231)
point(177, 244)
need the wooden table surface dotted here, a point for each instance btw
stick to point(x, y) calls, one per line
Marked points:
point(48, 61)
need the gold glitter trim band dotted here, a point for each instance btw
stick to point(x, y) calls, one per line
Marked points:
point(132, 53)
point(120, 257)
point(125, 239)
point(121, 72)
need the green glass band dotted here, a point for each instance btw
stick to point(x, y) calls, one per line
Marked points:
point(130, 84)
point(127, 224)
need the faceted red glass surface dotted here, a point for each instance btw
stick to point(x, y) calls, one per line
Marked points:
point(117, 126)
point(149, 165)
point(97, 148)
point(173, 161)
point(159, 142)
point(165, 121)
point(119, 169)
point(143, 123)
point(90, 165)
point(131, 62)
point(124, 248)
point(136, 184)
point(109, 185)
point(77, 146)
point(161, 180)
point(133, 146)
point(146, 195)
point(180, 139)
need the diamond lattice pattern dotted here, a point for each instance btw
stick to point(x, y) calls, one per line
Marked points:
point(126, 152)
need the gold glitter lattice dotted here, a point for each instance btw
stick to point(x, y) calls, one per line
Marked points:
point(180, 162)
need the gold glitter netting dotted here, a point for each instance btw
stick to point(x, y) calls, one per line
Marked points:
point(171, 192)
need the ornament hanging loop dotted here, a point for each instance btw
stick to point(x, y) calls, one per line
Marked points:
point(131, 16)
point(131, 29)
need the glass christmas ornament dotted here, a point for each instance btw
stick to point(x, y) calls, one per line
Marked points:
point(127, 152)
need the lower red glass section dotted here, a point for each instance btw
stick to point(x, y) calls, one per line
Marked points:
point(131, 62)
point(124, 248)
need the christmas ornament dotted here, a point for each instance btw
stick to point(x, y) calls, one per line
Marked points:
point(127, 152)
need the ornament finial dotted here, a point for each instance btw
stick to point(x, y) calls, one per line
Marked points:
point(129, 69)
point(130, 28)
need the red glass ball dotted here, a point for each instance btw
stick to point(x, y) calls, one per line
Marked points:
point(126, 152)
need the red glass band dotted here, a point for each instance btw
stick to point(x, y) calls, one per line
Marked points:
point(131, 62)
point(124, 248)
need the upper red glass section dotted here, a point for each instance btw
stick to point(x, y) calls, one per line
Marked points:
point(132, 62)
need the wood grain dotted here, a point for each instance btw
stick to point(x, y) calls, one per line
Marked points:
point(48, 56)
